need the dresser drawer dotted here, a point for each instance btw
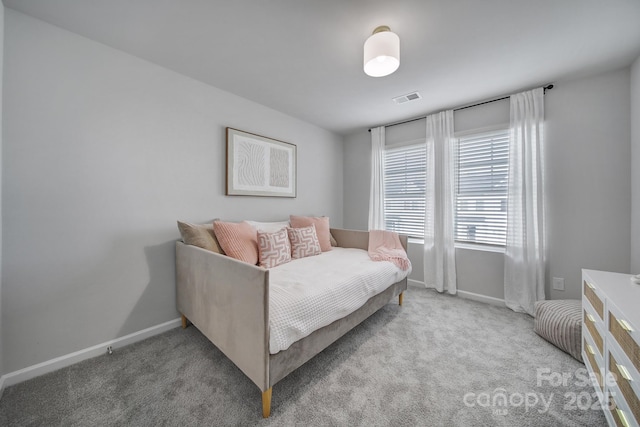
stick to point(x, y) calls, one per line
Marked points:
point(589, 323)
point(619, 409)
point(609, 409)
point(589, 354)
point(620, 416)
point(624, 382)
point(625, 337)
point(593, 298)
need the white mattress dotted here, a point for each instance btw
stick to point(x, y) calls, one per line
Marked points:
point(309, 293)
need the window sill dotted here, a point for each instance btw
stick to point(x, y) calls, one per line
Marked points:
point(469, 246)
point(478, 247)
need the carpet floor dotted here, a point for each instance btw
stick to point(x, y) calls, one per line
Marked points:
point(436, 361)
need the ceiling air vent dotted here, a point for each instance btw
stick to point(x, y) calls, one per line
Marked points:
point(406, 98)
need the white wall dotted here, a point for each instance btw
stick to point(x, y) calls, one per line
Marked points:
point(635, 167)
point(588, 180)
point(103, 152)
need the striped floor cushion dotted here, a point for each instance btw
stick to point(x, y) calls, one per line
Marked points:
point(560, 323)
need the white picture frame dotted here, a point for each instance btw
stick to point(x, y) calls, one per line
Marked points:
point(260, 166)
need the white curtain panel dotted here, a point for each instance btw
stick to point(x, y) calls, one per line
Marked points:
point(439, 250)
point(376, 194)
point(524, 265)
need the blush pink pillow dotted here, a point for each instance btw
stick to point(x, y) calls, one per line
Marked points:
point(322, 228)
point(304, 242)
point(238, 240)
point(273, 248)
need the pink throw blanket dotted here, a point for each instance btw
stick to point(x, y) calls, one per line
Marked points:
point(386, 246)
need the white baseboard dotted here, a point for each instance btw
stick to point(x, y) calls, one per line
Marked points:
point(415, 283)
point(482, 298)
point(465, 294)
point(87, 353)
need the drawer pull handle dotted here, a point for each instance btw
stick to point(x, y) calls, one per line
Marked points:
point(624, 372)
point(591, 318)
point(590, 349)
point(623, 417)
point(590, 285)
point(625, 325)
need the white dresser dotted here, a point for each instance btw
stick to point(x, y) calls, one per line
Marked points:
point(611, 342)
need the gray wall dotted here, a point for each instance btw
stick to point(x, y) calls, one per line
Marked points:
point(357, 175)
point(103, 152)
point(588, 185)
point(1, 68)
point(588, 177)
point(635, 168)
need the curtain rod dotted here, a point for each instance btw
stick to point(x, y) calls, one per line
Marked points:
point(546, 88)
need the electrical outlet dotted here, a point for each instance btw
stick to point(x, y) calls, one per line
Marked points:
point(558, 283)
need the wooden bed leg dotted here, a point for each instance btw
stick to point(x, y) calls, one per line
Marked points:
point(185, 322)
point(266, 403)
point(400, 298)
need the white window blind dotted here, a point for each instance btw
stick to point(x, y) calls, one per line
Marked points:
point(404, 187)
point(482, 164)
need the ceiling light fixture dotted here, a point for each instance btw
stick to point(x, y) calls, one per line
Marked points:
point(381, 52)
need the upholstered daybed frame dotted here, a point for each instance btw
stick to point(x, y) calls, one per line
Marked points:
point(228, 301)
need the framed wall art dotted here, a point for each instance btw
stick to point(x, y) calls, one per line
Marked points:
point(259, 166)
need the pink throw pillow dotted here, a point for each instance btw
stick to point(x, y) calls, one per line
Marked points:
point(273, 248)
point(322, 228)
point(304, 242)
point(238, 240)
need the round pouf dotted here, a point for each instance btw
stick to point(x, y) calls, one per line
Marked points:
point(560, 323)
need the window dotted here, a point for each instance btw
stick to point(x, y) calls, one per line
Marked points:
point(404, 187)
point(481, 173)
point(482, 167)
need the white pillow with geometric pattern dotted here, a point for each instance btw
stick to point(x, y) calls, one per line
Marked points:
point(304, 242)
point(273, 248)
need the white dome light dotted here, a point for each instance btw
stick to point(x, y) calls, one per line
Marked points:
point(381, 52)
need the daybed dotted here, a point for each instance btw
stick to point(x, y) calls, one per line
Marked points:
point(228, 301)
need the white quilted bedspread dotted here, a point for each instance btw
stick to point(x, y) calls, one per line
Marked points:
point(309, 293)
